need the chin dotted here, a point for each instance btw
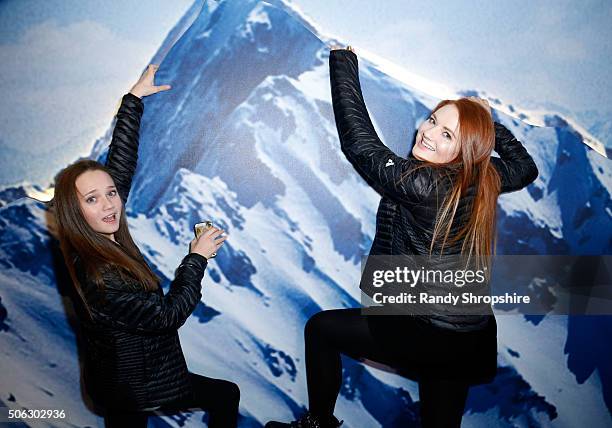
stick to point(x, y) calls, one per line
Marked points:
point(417, 154)
point(108, 230)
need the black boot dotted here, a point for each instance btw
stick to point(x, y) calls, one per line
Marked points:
point(306, 421)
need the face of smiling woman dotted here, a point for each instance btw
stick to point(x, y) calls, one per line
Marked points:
point(437, 137)
point(100, 203)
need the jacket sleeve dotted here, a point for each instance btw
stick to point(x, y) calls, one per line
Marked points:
point(359, 140)
point(145, 311)
point(123, 151)
point(515, 166)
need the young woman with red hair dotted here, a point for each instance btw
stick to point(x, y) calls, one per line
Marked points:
point(134, 363)
point(441, 199)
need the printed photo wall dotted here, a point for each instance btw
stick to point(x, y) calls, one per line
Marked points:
point(246, 138)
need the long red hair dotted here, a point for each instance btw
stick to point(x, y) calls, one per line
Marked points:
point(471, 167)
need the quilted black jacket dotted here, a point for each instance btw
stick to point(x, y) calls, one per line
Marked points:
point(408, 207)
point(133, 356)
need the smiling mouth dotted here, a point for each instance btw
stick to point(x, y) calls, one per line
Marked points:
point(427, 146)
point(110, 218)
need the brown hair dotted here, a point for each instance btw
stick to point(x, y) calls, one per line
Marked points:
point(471, 166)
point(96, 252)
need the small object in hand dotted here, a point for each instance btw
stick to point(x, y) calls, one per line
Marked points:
point(202, 227)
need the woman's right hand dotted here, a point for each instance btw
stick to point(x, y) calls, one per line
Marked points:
point(207, 244)
point(145, 85)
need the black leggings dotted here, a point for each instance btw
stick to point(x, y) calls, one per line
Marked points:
point(346, 331)
point(218, 397)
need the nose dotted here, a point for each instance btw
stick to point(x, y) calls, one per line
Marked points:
point(108, 203)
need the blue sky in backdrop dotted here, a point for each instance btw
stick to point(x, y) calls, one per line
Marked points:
point(526, 52)
point(66, 62)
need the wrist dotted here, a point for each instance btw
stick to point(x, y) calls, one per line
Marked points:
point(135, 93)
point(196, 258)
point(194, 253)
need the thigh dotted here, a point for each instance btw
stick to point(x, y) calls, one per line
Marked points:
point(209, 394)
point(347, 331)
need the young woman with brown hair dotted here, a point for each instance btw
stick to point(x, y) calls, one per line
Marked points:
point(133, 358)
point(441, 199)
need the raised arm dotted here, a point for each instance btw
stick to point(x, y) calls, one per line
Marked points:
point(515, 166)
point(123, 151)
point(121, 304)
point(144, 311)
point(360, 142)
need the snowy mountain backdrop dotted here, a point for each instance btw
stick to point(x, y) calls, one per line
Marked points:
point(246, 138)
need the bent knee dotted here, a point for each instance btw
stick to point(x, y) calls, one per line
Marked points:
point(317, 324)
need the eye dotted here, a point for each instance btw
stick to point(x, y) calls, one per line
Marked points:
point(112, 193)
point(447, 135)
point(431, 119)
point(90, 200)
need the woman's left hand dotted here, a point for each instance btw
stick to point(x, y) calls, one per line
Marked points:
point(145, 85)
point(336, 47)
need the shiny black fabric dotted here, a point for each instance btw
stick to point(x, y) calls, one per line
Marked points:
point(133, 356)
point(328, 334)
point(407, 211)
point(219, 398)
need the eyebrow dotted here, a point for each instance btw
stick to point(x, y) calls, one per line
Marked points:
point(93, 190)
point(451, 132)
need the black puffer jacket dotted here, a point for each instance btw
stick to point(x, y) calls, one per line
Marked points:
point(407, 210)
point(133, 356)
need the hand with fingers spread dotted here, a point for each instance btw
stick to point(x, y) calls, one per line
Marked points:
point(207, 244)
point(145, 85)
